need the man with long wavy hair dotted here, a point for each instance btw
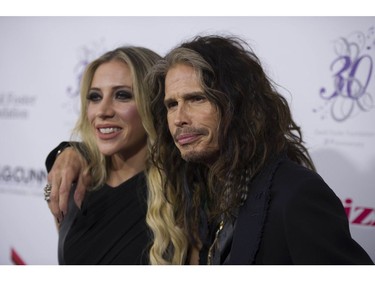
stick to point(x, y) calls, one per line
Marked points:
point(238, 177)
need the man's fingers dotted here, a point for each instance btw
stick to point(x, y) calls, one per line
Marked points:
point(83, 183)
point(53, 202)
point(65, 171)
point(64, 191)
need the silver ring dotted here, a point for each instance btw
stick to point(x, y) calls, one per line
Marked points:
point(47, 192)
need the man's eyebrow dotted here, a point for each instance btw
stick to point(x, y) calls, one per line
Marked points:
point(188, 95)
point(167, 101)
point(185, 96)
point(193, 94)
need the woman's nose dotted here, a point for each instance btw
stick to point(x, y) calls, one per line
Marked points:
point(106, 109)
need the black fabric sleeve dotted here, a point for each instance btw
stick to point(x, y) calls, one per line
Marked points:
point(50, 160)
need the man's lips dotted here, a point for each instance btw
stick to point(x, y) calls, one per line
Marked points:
point(183, 139)
point(188, 135)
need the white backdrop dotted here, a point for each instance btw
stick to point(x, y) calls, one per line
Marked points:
point(41, 59)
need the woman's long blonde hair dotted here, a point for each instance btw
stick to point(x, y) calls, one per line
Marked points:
point(159, 214)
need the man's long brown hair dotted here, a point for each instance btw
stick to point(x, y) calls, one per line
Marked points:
point(255, 126)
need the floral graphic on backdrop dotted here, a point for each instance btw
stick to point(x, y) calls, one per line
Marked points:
point(86, 54)
point(352, 71)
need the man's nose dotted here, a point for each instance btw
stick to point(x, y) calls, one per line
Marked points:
point(182, 115)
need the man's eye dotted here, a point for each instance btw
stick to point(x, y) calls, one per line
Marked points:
point(94, 96)
point(171, 104)
point(198, 98)
point(124, 95)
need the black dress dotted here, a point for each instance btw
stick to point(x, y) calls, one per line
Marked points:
point(109, 229)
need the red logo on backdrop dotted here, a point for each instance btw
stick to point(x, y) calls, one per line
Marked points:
point(16, 259)
point(359, 215)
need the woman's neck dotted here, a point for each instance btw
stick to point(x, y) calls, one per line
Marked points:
point(124, 167)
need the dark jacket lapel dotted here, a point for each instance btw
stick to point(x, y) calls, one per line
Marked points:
point(252, 216)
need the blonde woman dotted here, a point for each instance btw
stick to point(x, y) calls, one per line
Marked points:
point(113, 132)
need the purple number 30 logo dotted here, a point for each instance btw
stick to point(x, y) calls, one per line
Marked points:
point(352, 73)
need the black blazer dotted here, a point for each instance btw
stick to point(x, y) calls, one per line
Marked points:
point(291, 216)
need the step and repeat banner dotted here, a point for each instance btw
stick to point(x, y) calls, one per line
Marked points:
point(324, 66)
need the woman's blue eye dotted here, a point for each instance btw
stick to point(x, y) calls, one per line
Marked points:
point(94, 96)
point(120, 95)
point(124, 95)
